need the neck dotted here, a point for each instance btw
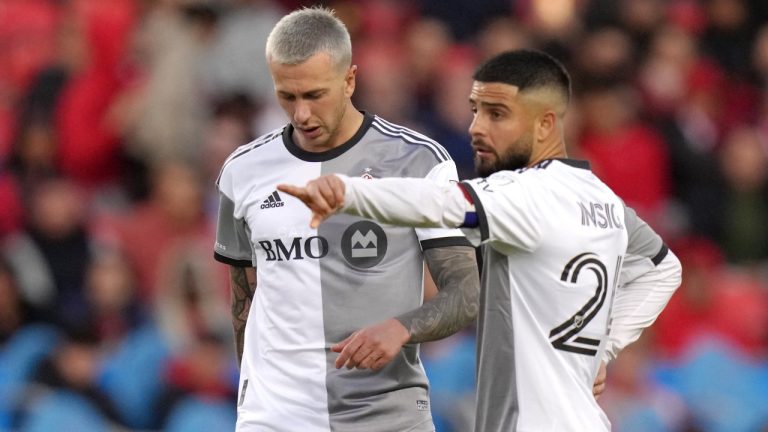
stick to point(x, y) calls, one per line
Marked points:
point(552, 150)
point(350, 124)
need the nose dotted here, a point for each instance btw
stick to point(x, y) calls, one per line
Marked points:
point(302, 112)
point(477, 127)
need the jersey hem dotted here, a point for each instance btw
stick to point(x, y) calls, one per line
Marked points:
point(231, 261)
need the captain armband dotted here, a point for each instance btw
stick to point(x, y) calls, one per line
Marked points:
point(470, 213)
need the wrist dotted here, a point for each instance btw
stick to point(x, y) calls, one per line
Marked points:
point(345, 180)
point(402, 329)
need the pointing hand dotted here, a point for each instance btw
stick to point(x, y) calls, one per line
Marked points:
point(323, 195)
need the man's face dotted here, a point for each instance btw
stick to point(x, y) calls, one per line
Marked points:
point(501, 130)
point(314, 95)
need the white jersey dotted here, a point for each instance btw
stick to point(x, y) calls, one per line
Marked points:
point(316, 286)
point(555, 237)
point(554, 241)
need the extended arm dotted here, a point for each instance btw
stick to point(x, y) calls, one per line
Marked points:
point(242, 282)
point(414, 202)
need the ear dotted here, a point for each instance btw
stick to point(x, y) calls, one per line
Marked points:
point(546, 126)
point(349, 81)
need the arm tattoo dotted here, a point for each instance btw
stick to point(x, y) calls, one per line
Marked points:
point(456, 304)
point(242, 282)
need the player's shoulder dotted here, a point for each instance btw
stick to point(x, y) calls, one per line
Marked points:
point(558, 170)
point(547, 175)
point(411, 140)
point(251, 148)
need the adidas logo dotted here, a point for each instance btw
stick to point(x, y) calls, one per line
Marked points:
point(272, 201)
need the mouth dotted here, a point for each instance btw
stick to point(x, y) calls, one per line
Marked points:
point(310, 132)
point(482, 152)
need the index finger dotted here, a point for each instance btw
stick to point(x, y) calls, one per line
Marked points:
point(340, 346)
point(297, 191)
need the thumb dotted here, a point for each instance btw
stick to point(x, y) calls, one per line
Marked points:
point(316, 220)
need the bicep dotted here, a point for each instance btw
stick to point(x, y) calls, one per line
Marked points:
point(452, 265)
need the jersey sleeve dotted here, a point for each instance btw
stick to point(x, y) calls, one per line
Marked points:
point(645, 248)
point(445, 172)
point(505, 212)
point(649, 276)
point(233, 245)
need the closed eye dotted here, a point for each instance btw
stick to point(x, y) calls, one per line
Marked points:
point(315, 95)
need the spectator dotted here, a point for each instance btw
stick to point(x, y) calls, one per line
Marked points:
point(744, 163)
point(69, 373)
point(90, 154)
point(171, 217)
point(447, 120)
point(51, 255)
point(114, 310)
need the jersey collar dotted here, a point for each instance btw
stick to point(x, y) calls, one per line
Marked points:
point(575, 163)
point(327, 155)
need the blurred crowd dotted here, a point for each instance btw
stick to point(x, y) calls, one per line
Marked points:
point(116, 115)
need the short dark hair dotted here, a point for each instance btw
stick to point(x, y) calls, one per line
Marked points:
point(525, 69)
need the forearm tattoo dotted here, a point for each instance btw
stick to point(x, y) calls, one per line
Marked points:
point(457, 302)
point(243, 288)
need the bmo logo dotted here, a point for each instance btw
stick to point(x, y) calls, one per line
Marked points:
point(364, 244)
point(313, 247)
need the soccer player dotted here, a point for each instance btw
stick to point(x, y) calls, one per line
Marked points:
point(353, 286)
point(570, 274)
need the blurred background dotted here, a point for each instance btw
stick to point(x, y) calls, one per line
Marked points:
point(116, 115)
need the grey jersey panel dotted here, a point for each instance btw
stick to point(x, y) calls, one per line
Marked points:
point(496, 375)
point(645, 248)
point(374, 272)
point(642, 240)
point(232, 237)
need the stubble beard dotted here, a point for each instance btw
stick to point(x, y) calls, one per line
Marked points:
point(517, 156)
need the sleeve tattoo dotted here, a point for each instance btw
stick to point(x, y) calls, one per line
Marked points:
point(242, 282)
point(456, 304)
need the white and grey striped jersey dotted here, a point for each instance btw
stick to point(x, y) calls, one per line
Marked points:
point(316, 286)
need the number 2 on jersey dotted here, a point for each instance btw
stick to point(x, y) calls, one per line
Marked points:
point(566, 336)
